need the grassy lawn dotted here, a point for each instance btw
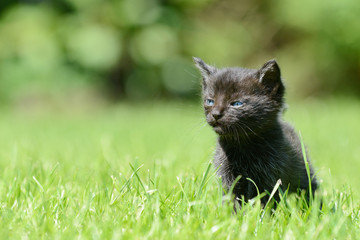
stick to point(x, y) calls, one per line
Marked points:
point(142, 171)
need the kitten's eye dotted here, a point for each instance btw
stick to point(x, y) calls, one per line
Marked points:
point(236, 104)
point(210, 102)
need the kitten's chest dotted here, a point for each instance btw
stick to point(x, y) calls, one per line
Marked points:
point(252, 162)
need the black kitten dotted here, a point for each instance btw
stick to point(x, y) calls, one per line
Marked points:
point(244, 107)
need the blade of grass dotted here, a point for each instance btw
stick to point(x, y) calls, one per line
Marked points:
point(203, 181)
point(307, 168)
point(276, 187)
point(257, 189)
point(182, 190)
point(138, 178)
point(38, 183)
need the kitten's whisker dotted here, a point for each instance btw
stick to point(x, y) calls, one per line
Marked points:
point(235, 133)
point(198, 127)
point(243, 130)
point(249, 128)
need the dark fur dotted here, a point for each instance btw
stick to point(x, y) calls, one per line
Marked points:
point(253, 141)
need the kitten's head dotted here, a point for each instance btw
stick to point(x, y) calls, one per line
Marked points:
point(239, 101)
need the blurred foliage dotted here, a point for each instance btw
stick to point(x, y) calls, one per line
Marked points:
point(142, 48)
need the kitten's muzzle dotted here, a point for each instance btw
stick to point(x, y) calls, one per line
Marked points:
point(214, 122)
point(217, 126)
point(217, 115)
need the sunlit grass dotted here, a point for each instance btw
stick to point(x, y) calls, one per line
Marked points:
point(135, 171)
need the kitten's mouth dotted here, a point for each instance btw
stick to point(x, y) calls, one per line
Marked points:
point(218, 128)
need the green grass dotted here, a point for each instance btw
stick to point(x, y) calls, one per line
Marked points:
point(139, 172)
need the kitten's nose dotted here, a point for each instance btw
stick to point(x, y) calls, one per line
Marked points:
point(217, 115)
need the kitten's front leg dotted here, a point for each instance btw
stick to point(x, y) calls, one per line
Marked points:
point(238, 187)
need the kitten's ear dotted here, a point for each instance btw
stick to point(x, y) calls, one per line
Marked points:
point(269, 76)
point(205, 70)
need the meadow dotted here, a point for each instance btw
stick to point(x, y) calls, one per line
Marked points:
point(143, 171)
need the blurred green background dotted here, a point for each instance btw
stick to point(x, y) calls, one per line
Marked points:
point(96, 51)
